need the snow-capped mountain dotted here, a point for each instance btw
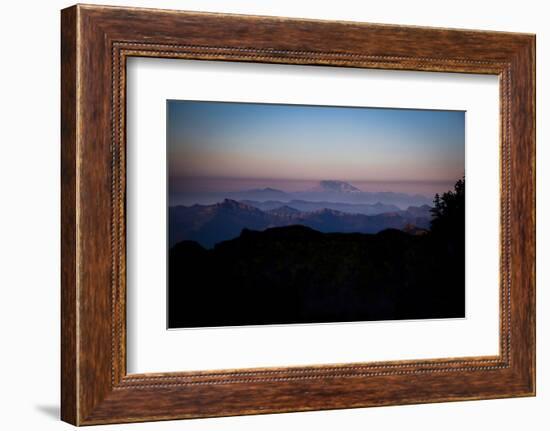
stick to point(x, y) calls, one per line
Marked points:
point(335, 186)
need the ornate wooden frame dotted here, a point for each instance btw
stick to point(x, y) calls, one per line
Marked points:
point(95, 43)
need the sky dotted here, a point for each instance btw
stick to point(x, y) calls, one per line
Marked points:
point(219, 145)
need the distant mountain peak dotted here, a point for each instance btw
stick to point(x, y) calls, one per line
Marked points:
point(335, 186)
point(285, 209)
point(233, 204)
point(328, 211)
point(266, 190)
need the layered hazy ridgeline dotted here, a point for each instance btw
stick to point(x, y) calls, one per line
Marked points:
point(284, 214)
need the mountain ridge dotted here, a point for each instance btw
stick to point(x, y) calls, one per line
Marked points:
point(325, 191)
point(210, 224)
point(308, 206)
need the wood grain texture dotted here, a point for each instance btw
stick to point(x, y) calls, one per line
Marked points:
point(69, 366)
point(96, 41)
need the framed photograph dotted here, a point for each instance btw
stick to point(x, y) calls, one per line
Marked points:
point(263, 214)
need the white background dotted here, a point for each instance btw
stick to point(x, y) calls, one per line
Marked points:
point(29, 216)
point(151, 348)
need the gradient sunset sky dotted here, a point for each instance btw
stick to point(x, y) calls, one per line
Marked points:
point(229, 146)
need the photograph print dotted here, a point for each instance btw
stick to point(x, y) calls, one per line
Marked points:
point(299, 214)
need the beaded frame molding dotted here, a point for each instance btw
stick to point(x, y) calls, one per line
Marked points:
point(95, 43)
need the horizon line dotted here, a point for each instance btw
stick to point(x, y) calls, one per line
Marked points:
point(314, 179)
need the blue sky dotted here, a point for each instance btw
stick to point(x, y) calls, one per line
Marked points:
point(249, 141)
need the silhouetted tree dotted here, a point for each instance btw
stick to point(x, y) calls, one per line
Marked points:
point(449, 212)
point(448, 245)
